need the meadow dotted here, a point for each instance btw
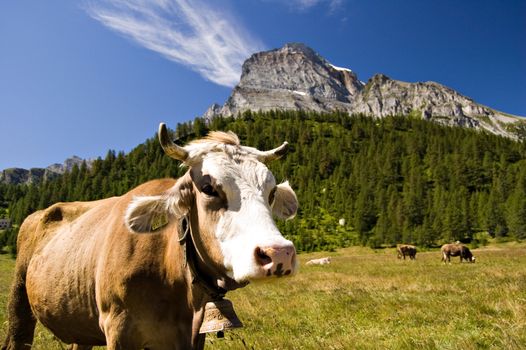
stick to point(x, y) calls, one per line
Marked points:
point(368, 299)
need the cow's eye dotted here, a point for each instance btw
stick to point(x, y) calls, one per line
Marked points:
point(209, 190)
point(271, 196)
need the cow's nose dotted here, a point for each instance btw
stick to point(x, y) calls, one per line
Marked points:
point(276, 261)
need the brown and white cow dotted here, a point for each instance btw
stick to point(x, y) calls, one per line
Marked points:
point(456, 249)
point(404, 250)
point(118, 272)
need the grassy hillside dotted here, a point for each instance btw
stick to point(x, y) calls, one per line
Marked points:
point(367, 299)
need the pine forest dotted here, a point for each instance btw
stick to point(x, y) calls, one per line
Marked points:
point(359, 180)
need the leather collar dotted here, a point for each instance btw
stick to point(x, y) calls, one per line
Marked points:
point(191, 255)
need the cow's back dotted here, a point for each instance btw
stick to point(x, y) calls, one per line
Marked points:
point(451, 249)
point(41, 226)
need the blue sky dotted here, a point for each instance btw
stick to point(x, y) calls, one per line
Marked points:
point(82, 77)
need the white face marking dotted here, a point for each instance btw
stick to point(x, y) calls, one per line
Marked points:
point(247, 222)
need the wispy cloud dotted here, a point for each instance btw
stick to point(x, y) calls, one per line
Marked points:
point(209, 41)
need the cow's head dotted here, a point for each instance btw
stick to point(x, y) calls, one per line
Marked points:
point(466, 254)
point(230, 196)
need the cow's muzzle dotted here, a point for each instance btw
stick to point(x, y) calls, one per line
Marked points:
point(276, 261)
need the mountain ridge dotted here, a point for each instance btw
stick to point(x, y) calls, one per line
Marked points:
point(295, 77)
point(34, 175)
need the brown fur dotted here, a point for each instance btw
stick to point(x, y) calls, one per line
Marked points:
point(404, 250)
point(456, 249)
point(83, 275)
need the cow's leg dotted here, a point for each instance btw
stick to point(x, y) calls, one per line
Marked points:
point(119, 332)
point(198, 339)
point(80, 347)
point(21, 320)
point(200, 342)
point(122, 334)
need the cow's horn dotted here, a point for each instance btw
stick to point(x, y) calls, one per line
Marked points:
point(169, 147)
point(275, 153)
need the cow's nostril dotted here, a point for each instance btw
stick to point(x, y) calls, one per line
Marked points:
point(262, 258)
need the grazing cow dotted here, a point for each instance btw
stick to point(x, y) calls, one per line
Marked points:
point(404, 250)
point(320, 261)
point(135, 271)
point(456, 249)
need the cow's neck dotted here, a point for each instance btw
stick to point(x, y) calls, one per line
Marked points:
point(193, 260)
point(215, 284)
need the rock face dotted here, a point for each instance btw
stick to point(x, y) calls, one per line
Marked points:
point(67, 165)
point(23, 176)
point(35, 175)
point(383, 96)
point(295, 77)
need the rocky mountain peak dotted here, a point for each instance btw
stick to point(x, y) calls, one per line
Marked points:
point(296, 68)
point(295, 77)
point(301, 49)
point(291, 52)
point(378, 79)
point(66, 166)
point(291, 77)
point(298, 47)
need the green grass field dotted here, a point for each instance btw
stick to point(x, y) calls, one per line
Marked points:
point(371, 300)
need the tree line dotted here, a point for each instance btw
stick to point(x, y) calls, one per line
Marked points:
point(359, 180)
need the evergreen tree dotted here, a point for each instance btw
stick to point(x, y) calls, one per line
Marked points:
point(394, 180)
point(516, 208)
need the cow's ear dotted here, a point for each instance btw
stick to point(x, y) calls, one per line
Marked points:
point(146, 214)
point(285, 203)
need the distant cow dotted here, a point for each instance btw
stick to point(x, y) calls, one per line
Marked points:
point(321, 261)
point(136, 271)
point(404, 250)
point(456, 249)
